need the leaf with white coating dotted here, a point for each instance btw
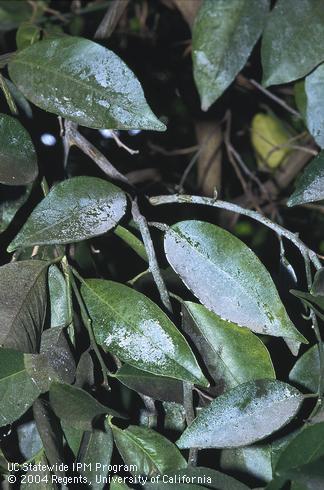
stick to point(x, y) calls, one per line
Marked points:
point(84, 82)
point(248, 413)
point(228, 278)
point(134, 328)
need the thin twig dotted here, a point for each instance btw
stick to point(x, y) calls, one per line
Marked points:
point(120, 144)
point(153, 264)
point(190, 416)
point(274, 98)
point(171, 153)
point(187, 199)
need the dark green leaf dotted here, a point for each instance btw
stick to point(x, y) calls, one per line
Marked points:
point(223, 37)
point(74, 210)
point(41, 472)
point(228, 278)
point(318, 283)
point(58, 297)
point(310, 185)
point(201, 476)
point(315, 104)
point(117, 484)
point(305, 448)
point(22, 313)
point(12, 198)
point(300, 97)
point(51, 434)
point(306, 370)
point(75, 406)
point(13, 12)
point(18, 161)
point(289, 51)
point(83, 82)
point(17, 390)
point(135, 329)
point(156, 387)
point(19, 97)
point(131, 240)
point(85, 372)
point(232, 354)
point(248, 413)
point(55, 347)
point(72, 436)
point(309, 299)
point(151, 452)
point(96, 448)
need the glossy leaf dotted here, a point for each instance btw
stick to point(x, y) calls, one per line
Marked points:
point(84, 82)
point(17, 390)
point(74, 210)
point(156, 387)
point(22, 313)
point(75, 406)
point(315, 104)
point(96, 449)
point(305, 448)
point(232, 354)
point(134, 328)
point(18, 161)
point(223, 37)
point(305, 372)
point(12, 199)
point(310, 185)
point(58, 297)
point(203, 476)
point(228, 278)
point(151, 452)
point(248, 413)
point(289, 51)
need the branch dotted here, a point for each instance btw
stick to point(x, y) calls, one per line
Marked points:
point(140, 220)
point(190, 416)
point(73, 137)
point(281, 231)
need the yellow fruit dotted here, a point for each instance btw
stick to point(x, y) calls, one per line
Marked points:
point(269, 140)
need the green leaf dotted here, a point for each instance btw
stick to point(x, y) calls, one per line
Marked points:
point(310, 185)
point(309, 299)
point(289, 50)
point(134, 328)
point(58, 297)
point(258, 460)
point(317, 288)
point(74, 210)
point(156, 387)
point(83, 82)
point(27, 34)
point(22, 313)
point(13, 13)
point(29, 440)
point(75, 406)
point(96, 449)
point(72, 436)
point(117, 483)
point(228, 278)
point(18, 160)
point(315, 104)
point(17, 390)
point(305, 448)
point(132, 241)
point(232, 354)
point(202, 476)
point(248, 413)
point(12, 198)
point(149, 451)
point(307, 369)
point(223, 37)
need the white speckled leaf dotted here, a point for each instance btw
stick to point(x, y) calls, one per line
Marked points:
point(74, 210)
point(315, 104)
point(18, 160)
point(248, 413)
point(310, 185)
point(17, 390)
point(224, 34)
point(83, 82)
point(293, 40)
point(228, 278)
point(134, 328)
point(58, 297)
